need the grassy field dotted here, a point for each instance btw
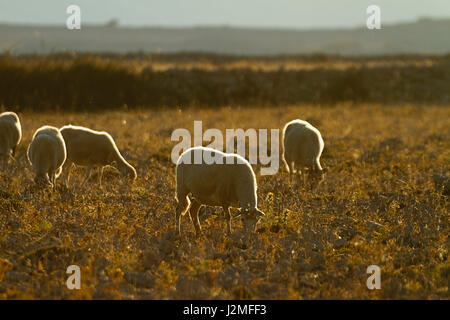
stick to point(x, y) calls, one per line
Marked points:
point(377, 205)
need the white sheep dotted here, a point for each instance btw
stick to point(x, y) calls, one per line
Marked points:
point(302, 148)
point(10, 135)
point(227, 182)
point(86, 147)
point(47, 154)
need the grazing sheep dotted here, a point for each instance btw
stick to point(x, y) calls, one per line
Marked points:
point(86, 147)
point(10, 135)
point(46, 154)
point(228, 182)
point(302, 147)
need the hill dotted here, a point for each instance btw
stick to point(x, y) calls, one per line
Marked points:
point(425, 36)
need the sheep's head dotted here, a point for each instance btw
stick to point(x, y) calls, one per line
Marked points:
point(42, 181)
point(250, 217)
point(6, 157)
point(316, 177)
point(128, 171)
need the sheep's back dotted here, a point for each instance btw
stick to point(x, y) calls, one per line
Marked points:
point(9, 117)
point(10, 131)
point(304, 142)
point(84, 147)
point(212, 184)
point(46, 150)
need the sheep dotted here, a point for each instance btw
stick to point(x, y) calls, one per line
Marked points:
point(302, 148)
point(227, 182)
point(10, 135)
point(47, 154)
point(86, 147)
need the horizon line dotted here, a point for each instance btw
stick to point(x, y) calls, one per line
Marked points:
point(106, 24)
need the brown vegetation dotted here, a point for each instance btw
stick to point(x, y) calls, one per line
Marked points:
point(89, 82)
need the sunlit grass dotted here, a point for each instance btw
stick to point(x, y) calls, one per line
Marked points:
point(377, 205)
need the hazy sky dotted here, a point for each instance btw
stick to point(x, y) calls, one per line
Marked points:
point(250, 13)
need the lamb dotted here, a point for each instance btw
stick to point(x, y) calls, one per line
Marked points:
point(47, 154)
point(229, 181)
point(86, 147)
point(10, 135)
point(302, 148)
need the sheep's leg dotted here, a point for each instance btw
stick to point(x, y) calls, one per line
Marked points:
point(301, 178)
point(100, 174)
point(182, 207)
point(313, 182)
point(48, 180)
point(68, 170)
point(193, 212)
point(226, 211)
point(87, 175)
point(291, 171)
point(53, 178)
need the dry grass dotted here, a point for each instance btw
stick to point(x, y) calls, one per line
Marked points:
point(378, 205)
point(101, 82)
point(212, 62)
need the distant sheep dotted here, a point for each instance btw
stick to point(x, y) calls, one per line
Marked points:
point(302, 148)
point(86, 147)
point(10, 135)
point(47, 154)
point(228, 182)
